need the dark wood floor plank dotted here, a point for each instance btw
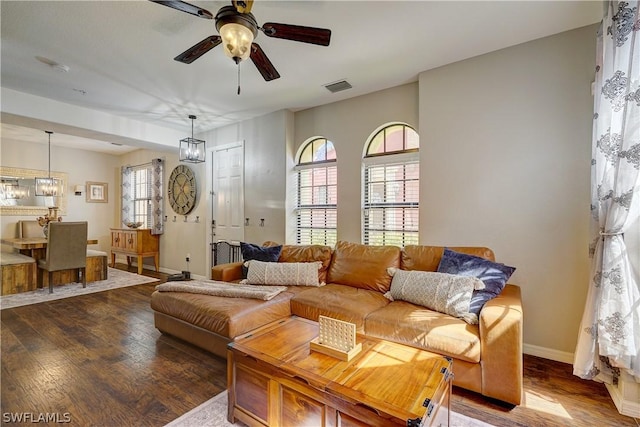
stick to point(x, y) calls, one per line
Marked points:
point(99, 358)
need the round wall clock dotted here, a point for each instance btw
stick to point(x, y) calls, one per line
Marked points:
point(182, 190)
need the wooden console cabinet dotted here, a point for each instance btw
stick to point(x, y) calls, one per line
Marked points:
point(135, 242)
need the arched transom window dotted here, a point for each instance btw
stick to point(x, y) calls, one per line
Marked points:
point(391, 187)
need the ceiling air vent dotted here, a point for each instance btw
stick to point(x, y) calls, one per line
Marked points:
point(338, 86)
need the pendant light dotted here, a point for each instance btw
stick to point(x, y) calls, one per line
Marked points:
point(13, 190)
point(48, 187)
point(192, 150)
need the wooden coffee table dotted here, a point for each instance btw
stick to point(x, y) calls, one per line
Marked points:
point(275, 379)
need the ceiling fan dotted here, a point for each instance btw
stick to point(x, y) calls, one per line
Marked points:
point(238, 28)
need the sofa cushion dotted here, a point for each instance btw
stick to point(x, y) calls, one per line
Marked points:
point(338, 301)
point(363, 266)
point(493, 275)
point(261, 253)
point(224, 316)
point(427, 258)
point(417, 326)
point(306, 253)
point(283, 273)
point(446, 293)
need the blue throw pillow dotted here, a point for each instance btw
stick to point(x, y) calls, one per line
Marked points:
point(493, 275)
point(260, 253)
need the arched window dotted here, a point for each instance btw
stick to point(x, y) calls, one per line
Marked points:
point(317, 193)
point(391, 186)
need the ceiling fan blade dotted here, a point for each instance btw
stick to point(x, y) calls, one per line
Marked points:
point(262, 63)
point(298, 33)
point(186, 7)
point(197, 50)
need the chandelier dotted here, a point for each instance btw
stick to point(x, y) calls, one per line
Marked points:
point(49, 187)
point(13, 190)
point(192, 150)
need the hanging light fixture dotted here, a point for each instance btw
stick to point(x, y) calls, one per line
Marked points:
point(192, 150)
point(238, 28)
point(237, 31)
point(13, 190)
point(49, 187)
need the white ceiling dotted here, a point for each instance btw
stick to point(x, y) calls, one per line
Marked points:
point(120, 54)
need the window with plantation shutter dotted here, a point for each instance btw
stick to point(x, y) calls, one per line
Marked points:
point(141, 180)
point(317, 193)
point(391, 187)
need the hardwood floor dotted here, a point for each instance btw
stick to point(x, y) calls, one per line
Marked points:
point(98, 360)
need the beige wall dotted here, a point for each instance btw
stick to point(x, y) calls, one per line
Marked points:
point(179, 238)
point(81, 166)
point(505, 155)
point(265, 139)
point(504, 160)
point(348, 124)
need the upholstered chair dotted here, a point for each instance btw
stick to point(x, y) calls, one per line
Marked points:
point(66, 249)
point(29, 229)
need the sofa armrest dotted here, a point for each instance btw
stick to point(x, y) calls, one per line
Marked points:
point(228, 272)
point(501, 339)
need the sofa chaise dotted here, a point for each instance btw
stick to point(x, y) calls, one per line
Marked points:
point(487, 356)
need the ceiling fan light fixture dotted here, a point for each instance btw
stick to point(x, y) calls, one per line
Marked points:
point(238, 28)
point(237, 31)
point(236, 39)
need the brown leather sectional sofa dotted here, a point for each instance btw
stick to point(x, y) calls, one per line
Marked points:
point(487, 356)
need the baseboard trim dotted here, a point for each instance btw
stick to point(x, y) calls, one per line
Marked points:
point(625, 407)
point(168, 271)
point(548, 353)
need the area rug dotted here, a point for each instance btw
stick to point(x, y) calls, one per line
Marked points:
point(213, 413)
point(116, 279)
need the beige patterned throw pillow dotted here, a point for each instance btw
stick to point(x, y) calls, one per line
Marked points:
point(446, 293)
point(284, 273)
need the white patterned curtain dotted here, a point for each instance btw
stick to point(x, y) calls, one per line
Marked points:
point(157, 213)
point(609, 336)
point(126, 210)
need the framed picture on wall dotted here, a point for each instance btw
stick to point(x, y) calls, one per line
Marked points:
point(97, 192)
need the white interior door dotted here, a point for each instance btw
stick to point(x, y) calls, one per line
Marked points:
point(227, 198)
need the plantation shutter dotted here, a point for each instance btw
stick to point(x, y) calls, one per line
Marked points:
point(141, 181)
point(317, 204)
point(391, 199)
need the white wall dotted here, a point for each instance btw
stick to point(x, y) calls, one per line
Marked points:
point(505, 162)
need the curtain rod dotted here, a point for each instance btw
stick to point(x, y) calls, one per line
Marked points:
point(143, 164)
